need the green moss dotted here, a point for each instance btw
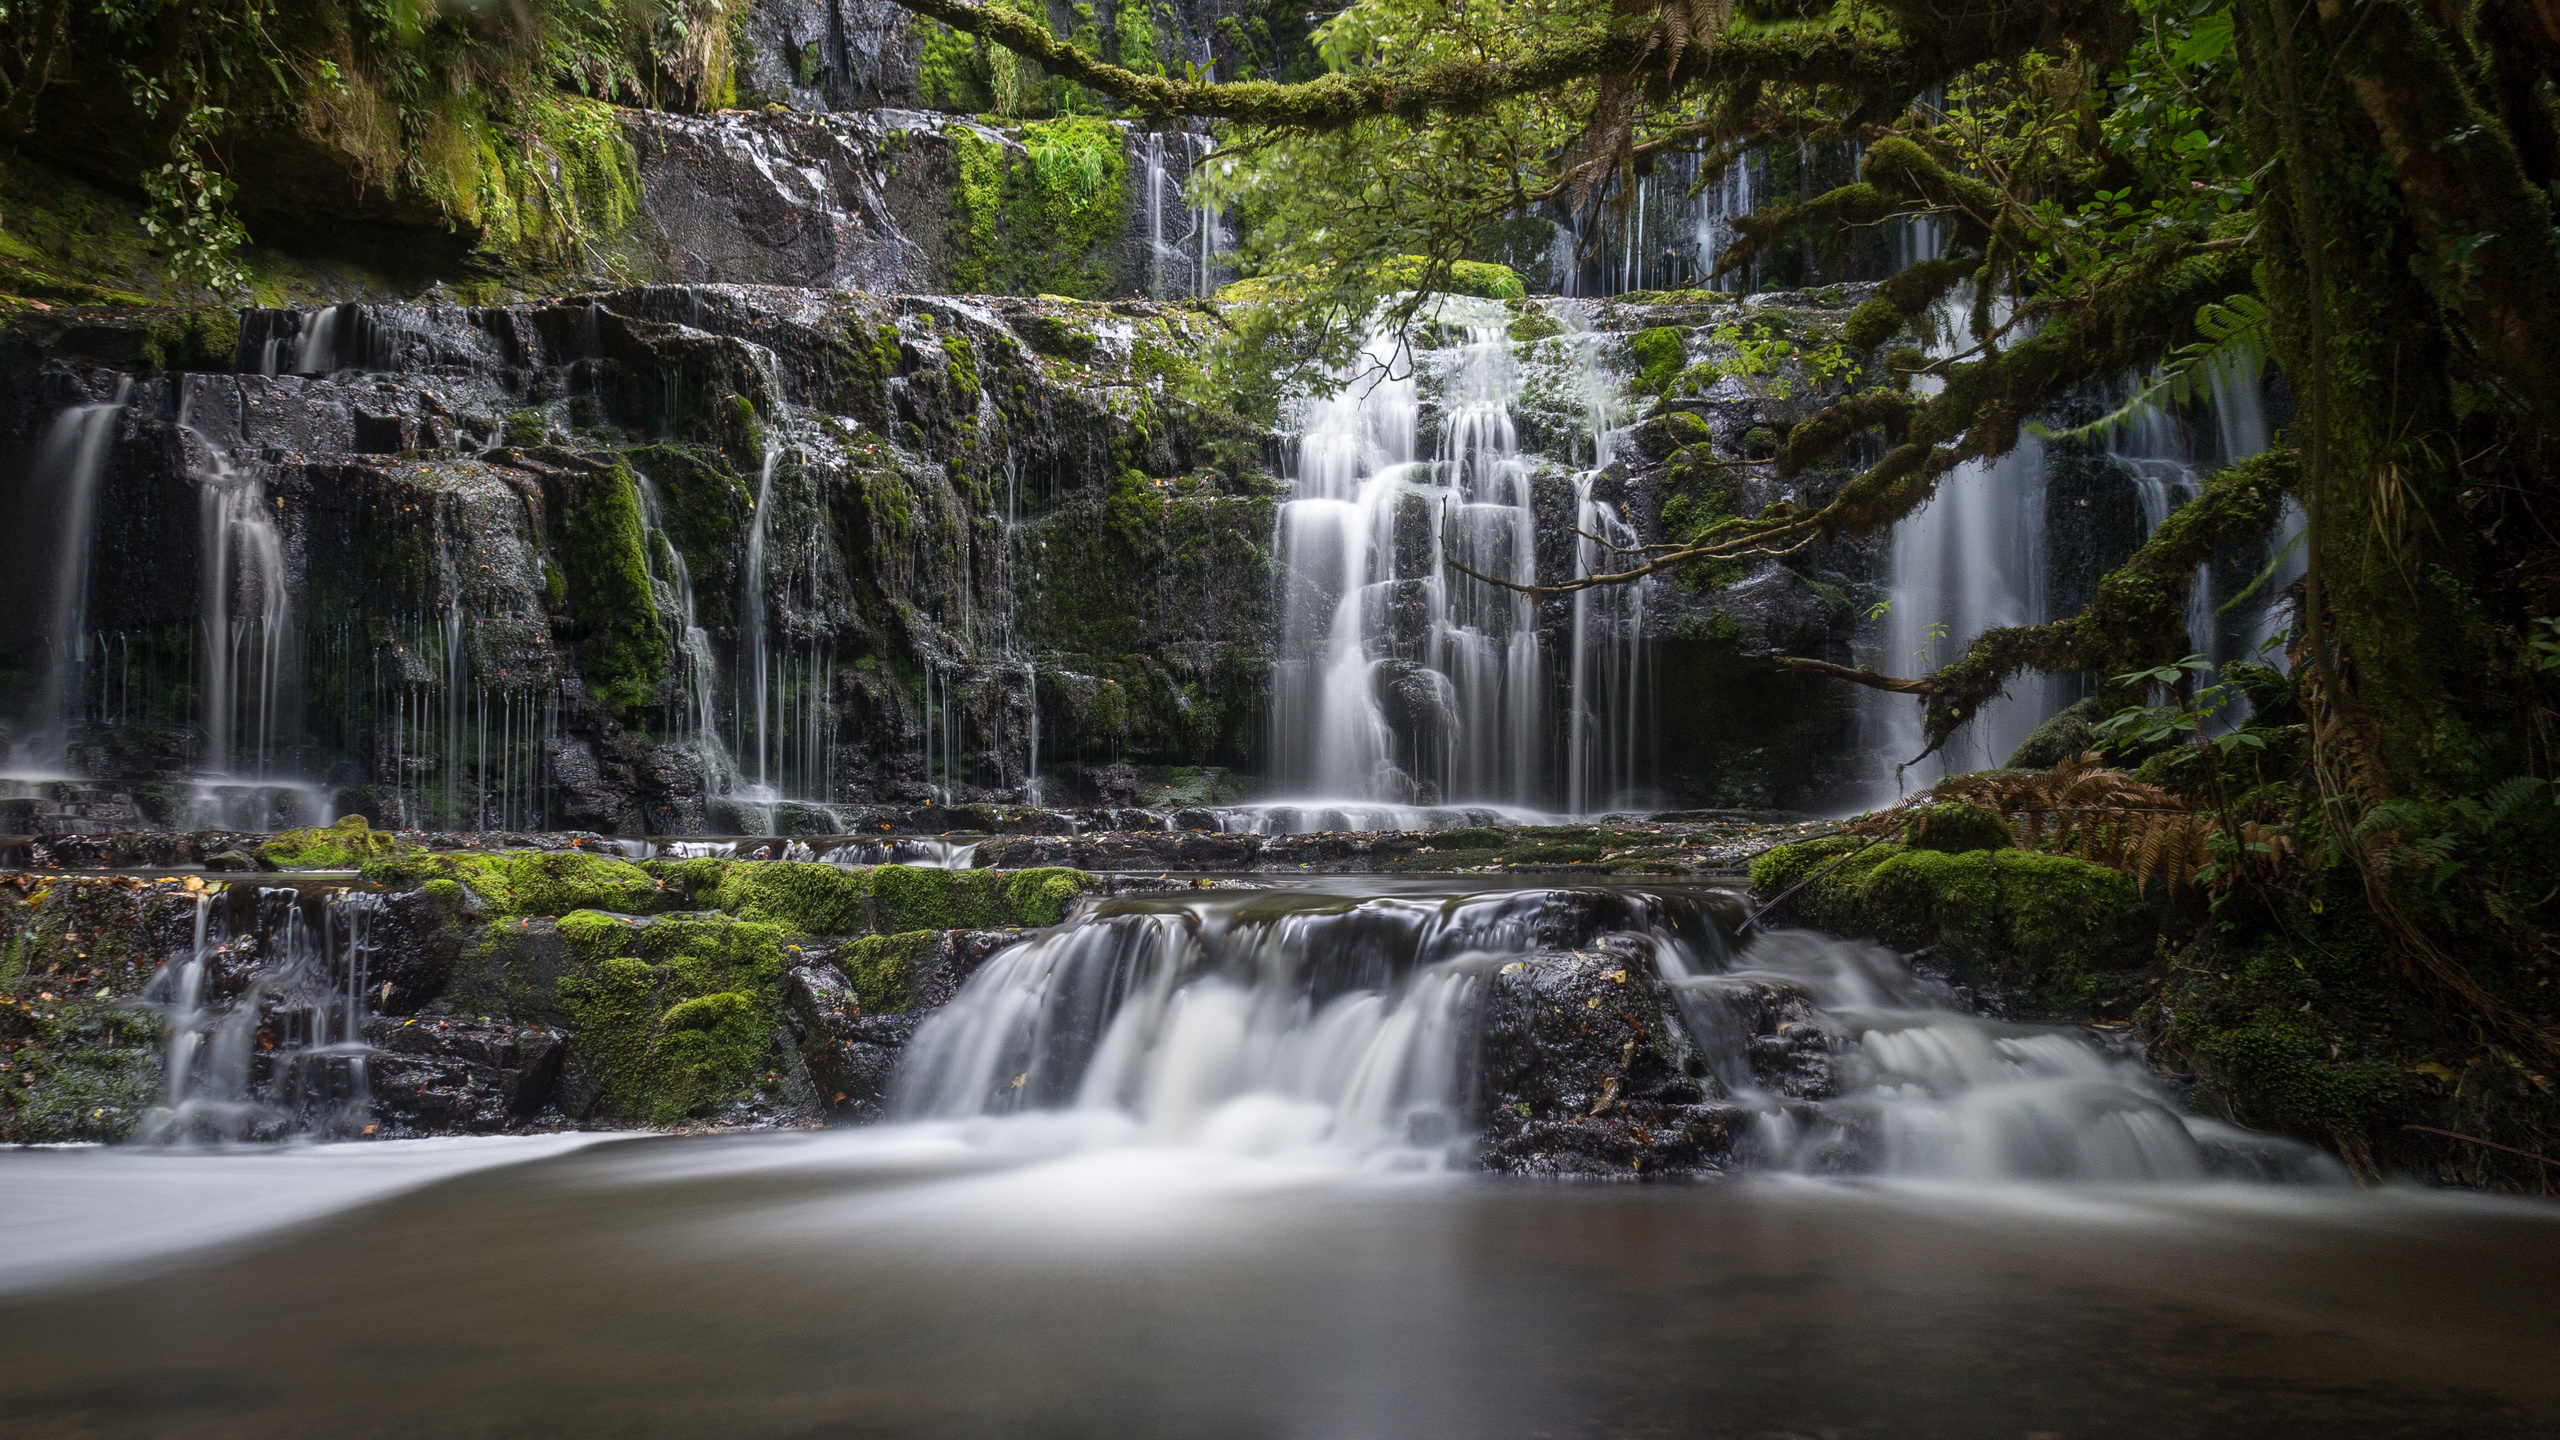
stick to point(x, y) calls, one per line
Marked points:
point(674, 1018)
point(882, 968)
point(1530, 329)
point(1041, 896)
point(1957, 828)
point(556, 883)
point(817, 899)
point(1058, 336)
point(2054, 921)
point(805, 899)
point(346, 845)
point(1479, 278)
point(951, 71)
point(1661, 352)
point(602, 554)
point(525, 429)
point(198, 340)
point(1041, 221)
point(2289, 1031)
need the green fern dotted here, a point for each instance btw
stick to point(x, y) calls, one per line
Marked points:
point(2236, 333)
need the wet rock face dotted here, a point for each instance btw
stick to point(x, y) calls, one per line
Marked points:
point(852, 1054)
point(1583, 1074)
point(479, 535)
point(787, 200)
point(447, 1076)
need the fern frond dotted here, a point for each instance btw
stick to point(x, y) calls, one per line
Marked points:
point(2237, 336)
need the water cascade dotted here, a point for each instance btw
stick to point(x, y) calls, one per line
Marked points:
point(248, 719)
point(1606, 714)
point(1343, 1024)
point(265, 1013)
point(1970, 559)
point(73, 455)
point(1183, 241)
point(1399, 682)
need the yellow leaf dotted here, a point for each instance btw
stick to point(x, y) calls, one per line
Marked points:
point(2436, 1068)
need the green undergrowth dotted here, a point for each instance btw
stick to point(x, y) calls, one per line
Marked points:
point(1040, 220)
point(2062, 927)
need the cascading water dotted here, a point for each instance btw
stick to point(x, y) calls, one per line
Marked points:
point(1183, 241)
point(2169, 454)
point(249, 715)
point(1335, 1023)
point(1970, 559)
point(265, 1013)
point(68, 464)
point(1606, 714)
point(1398, 682)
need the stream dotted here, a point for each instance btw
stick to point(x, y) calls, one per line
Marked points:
point(1213, 1163)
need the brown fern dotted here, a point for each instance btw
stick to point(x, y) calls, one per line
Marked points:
point(2085, 810)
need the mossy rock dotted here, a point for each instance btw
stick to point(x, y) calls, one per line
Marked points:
point(803, 898)
point(675, 1017)
point(2062, 922)
point(1480, 278)
point(1530, 329)
point(1057, 336)
point(536, 882)
point(882, 968)
point(347, 845)
point(2290, 1030)
point(1956, 828)
point(819, 899)
point(1661, 352)
point(2071, 733)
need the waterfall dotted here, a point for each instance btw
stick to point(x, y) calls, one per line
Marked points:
point(68, 464)
point(2169, 453)
point(1183, 241)
point(1343, 1024)
point(250, 711)
point(1606, 716)
point(265, 1013)
point(1970, 559)
point(1396, 681)
point(1607, 712)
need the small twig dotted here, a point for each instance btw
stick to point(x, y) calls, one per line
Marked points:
point(1757, 915)
point(2492, 1144)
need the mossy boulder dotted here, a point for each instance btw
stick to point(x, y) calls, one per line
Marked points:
point(882, 968)
point(817, 899)
point(1955, 829)
point(676, 1017)
point(534, 882)
point(1661, 352)
point(347, 845)
point(2055, 924)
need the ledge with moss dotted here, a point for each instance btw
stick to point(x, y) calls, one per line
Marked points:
point(2075, 938)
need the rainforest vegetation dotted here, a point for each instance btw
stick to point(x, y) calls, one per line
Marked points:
point(2361, 828)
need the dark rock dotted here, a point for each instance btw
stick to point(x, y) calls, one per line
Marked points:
point(461, 1075)
point(1583, 1074)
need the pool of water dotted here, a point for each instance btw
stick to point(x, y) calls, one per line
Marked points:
point(1050, 1274)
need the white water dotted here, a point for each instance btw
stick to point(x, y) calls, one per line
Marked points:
point(68, 464)
point(1970, 559)
point(1342, 1027)
point(1184, 241)
point(1400, 683)
point(250, 711)
point(287, 1054)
